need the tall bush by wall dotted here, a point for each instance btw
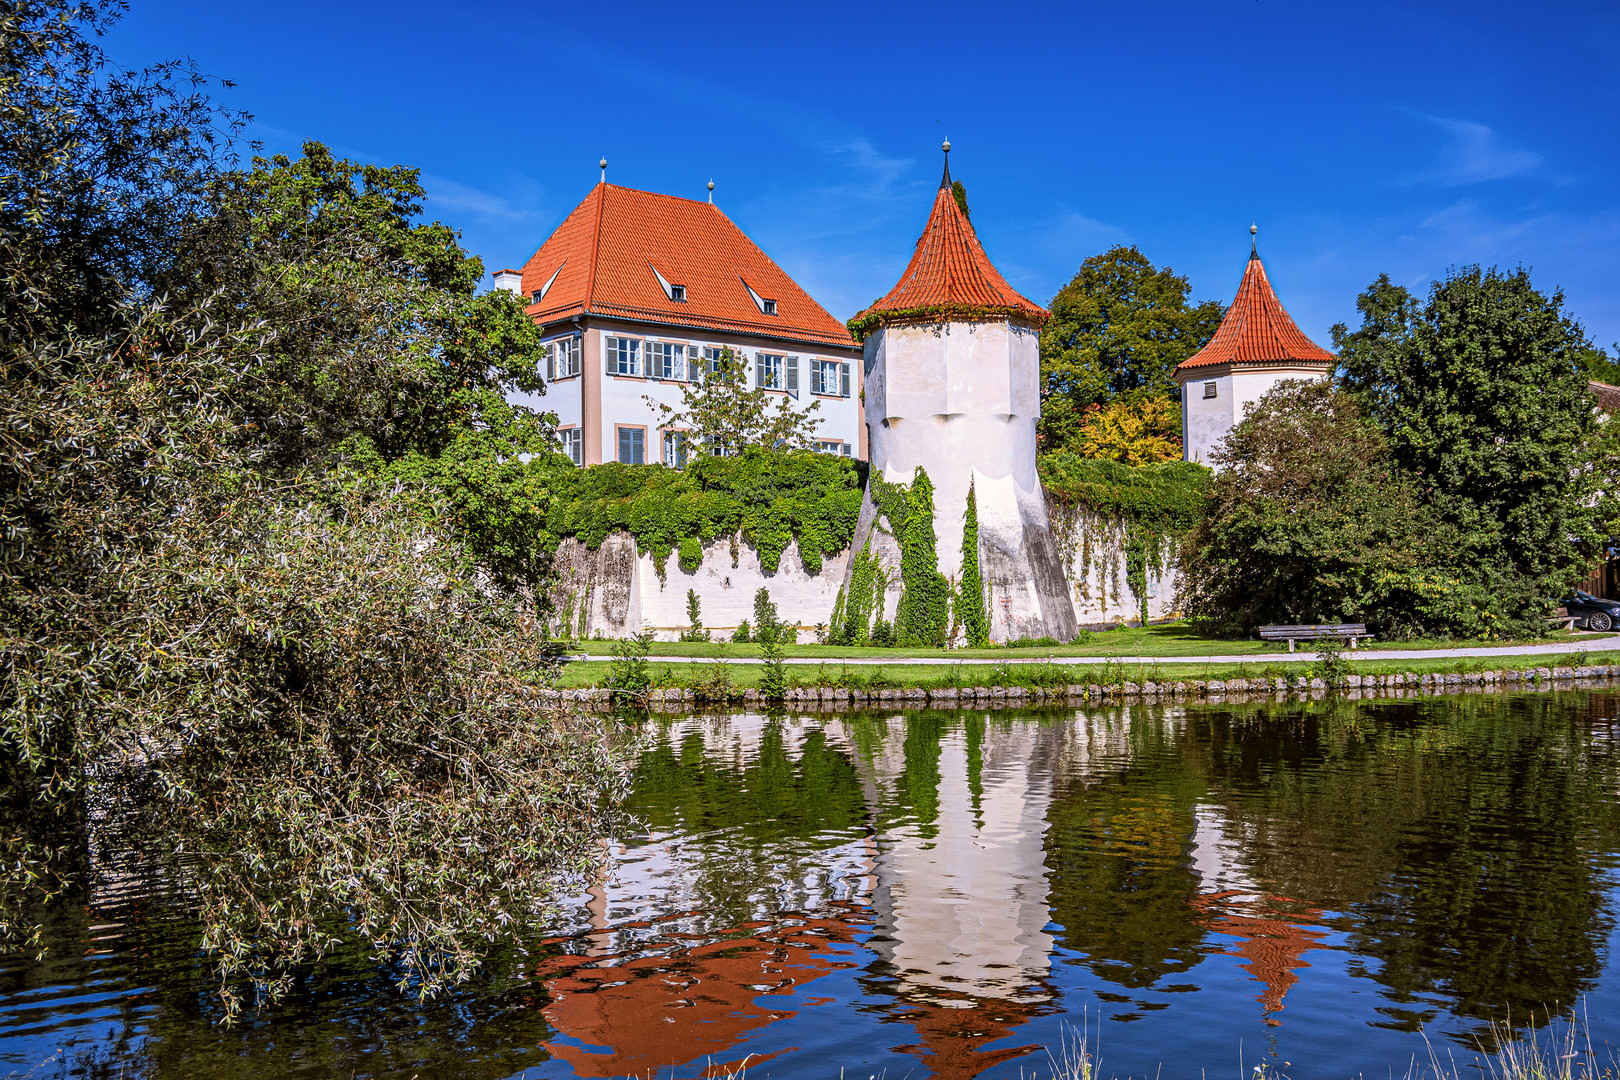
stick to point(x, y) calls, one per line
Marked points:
point(924, 612)
point(970, 606)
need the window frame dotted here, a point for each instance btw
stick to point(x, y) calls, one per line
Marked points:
point(566, 352)
point(777, 365)
point(572, 439)
point(1210, 390)
point(619, 433)
point(615, 351)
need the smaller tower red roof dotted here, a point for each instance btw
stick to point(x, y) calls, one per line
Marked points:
point(1257, 330)
point(950, 274)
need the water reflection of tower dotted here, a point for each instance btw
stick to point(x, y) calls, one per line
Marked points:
point(960, 903)
point(1273, 933)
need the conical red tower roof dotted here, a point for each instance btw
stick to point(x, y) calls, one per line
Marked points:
point(950, 275)
point(1256, 330)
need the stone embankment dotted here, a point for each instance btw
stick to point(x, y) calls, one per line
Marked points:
point(1237, 691)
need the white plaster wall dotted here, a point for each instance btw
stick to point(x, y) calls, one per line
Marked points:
point(1206, 420)
point(622, 592)
point(1093, 552)
point(562, 396)
point(624, 399)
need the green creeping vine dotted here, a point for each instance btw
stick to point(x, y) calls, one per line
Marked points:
point(852, 616)
point(970, 605)
point(1148, 507)
point(771, 498)
point(923, 616)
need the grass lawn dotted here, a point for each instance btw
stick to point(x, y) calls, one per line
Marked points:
point(900, 675)
point(1168, 639)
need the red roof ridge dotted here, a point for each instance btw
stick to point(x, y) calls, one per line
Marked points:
point(1257, 329)
point(949, 274)
point(609, 253)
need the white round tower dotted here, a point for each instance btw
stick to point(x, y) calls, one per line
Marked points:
point(953, 369)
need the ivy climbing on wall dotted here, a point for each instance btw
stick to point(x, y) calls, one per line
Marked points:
point(852, 614)
point(970, 606)
point(771, 498)
point(923, 616)
point(1142, 511)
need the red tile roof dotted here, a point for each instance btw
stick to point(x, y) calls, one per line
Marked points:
point(604, 255)
point(1256, 330)
point(951, 274)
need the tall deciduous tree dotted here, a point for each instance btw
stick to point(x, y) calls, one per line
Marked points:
point(1118, 328)
point(1481, 393)
point(721, 414)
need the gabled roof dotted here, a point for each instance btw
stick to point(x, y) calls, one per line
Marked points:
point(950, 274)
point(1256, 330)
point(614, 254)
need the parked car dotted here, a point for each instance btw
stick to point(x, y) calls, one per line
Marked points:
point(1593, 613)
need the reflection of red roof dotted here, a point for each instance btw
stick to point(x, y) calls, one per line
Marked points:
point(1257, 330)
point(602, 260)
point(645, 1015)
point(955, 1041)
point(950, 273)
point(1272, 945)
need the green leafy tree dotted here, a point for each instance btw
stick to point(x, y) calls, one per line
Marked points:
point(1118, 328)
point(970, 607)
point(1309, 520)
point(721, 414)
point(334, 709)
point(1481, 394)
point(694, 618)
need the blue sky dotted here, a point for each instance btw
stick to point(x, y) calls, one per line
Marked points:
point(1362, 138)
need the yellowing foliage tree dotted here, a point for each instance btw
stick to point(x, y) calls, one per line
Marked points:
point(1144, 431)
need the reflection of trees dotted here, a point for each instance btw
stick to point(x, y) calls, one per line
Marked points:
point(1122, 884)
point(1462, 833)
point(761, 821)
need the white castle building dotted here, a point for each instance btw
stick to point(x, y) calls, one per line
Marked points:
point(953, 376)
point(1257, 346)
point(639, 293)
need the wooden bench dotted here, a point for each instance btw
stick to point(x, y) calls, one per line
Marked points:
point(1351, 632)
point(1562, 618)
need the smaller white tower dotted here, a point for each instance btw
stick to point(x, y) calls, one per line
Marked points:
point(1257, 346)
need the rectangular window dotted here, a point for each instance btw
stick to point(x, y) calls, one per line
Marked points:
point(623, 356)
point(768, 371)
point(566, 352)
point(833, 446)
point(698, 361)
point(1209, 389)
point(548, 361)
point(677, 293)
point(829, 377)
point(632, 446)
point(573, 444)
point(675, 449)
point(666, 361)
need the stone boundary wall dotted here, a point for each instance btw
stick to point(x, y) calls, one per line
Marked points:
point(614, 590)
point(1210, 691)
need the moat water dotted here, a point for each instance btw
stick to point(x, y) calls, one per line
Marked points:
point(1329, 889)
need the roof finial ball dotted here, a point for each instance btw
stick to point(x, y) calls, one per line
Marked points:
point(945, 179)
point(1254, 245)
point(603, 166)
point(711, 192)
point(946, 146)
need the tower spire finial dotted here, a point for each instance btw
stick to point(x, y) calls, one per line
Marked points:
point(945, 182)
point(1254, 245)
point(711, 191)
point(603, 166)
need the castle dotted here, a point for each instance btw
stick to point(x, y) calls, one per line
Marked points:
point(638, 292)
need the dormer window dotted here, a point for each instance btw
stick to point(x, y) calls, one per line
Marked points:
point(674, 292)
point(540, 293)
point(766, 307)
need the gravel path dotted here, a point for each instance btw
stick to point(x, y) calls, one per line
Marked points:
point(1577, 643)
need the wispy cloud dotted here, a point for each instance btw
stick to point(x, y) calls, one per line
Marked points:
point(1473, 154)
point(446, 194)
